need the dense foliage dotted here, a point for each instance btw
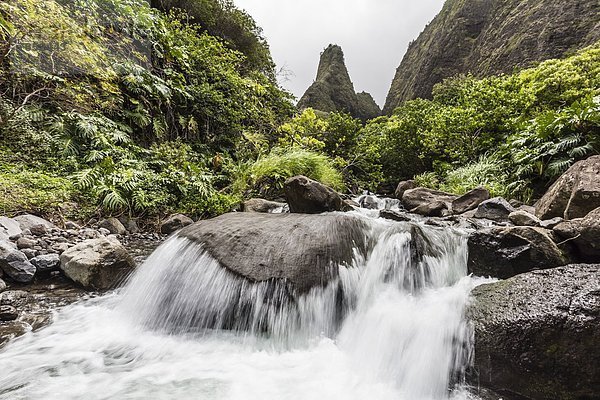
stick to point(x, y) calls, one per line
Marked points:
point(136, 110)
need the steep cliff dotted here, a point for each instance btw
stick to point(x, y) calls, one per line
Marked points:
point(333, 89)
point(486, 37)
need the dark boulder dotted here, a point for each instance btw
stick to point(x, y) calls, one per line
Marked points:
point(394, 215)
point(307, 196)
point(574, 194)
point(15, 264)
point(174, 223)
point(496, 209)
point(434, 209)
point(417, 197)
point(584, 234)
point(523, 218)
point(505, 252)
point(403, 187)
point(263, 206)
point(46, 262)
point(537, 336)
point(300, 248)
point(470, 200)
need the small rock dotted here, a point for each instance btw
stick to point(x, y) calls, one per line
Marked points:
point(368, 202)
point(263, 206)
point(8, 313)
point(2, 286)
point(15, 298)
point(496, 209)
point(29, 253)
point(113, 225)
point(523, 218)
point(60, 247)
point(26, 243)
point(89, 233)
point(394, 215)
point(39, 230)
point(15, 264)
point(45, 263)
point(72, 225)
point(16, 237)
point(551, 223)
point(174, 223)
point(103, 231)
point(470, 201)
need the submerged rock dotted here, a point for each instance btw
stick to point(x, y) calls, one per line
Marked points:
point(98, 264)
point(300, 248)
point(537, 336)
point(307, 196)
point(506, 252)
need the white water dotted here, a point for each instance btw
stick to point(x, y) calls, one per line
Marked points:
point(389, 327)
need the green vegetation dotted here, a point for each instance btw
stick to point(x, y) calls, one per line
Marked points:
point(113, 107)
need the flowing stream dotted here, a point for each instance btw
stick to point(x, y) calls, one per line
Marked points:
point(389, 326)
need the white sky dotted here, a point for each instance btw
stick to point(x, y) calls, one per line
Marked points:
point(374, 35)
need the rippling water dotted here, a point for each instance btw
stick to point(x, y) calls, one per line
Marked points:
point(390, 326)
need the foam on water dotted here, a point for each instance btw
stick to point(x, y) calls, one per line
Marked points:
point(390, 326)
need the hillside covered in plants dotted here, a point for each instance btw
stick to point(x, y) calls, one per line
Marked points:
point(122, 107)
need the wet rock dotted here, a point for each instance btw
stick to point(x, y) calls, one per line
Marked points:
point(551, 223)
point(435, 209)
point(506, 252)
point(27, 221)
point(368, 202)
point(263, 206)
point(307, 196)
point(46, 263)
point(174, 223)
point(15, 298)
point(574, 194)
point(523, 218)
point(297, 247)
point(394, 215)
point(470, 201)
point(536, 335)
point(113, 225)
point(414, 198)
point(403, 187)
point(584, 234)
point(15, 264)
point(97, 263)
point(26, 243)
point(496, 209)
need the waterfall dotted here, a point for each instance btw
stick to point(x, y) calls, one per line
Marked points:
point(390, 325)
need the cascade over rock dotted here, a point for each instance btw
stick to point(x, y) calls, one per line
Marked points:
point(486, 37)
point(300, 248)
point(333, 89)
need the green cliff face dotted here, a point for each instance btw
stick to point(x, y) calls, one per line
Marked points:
point(333, 89)
point(486, 37)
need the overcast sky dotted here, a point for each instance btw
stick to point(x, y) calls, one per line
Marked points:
point(374, 35)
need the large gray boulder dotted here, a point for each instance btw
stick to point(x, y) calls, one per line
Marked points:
point(27, 221)
point(98, 264)
point(470, 200)
point(574, 194)
point(505, 252)
point(307, 196)
point(420, 196)
point(300, 248)
point(537, 336)
point(263, 206)
point(15, 264)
